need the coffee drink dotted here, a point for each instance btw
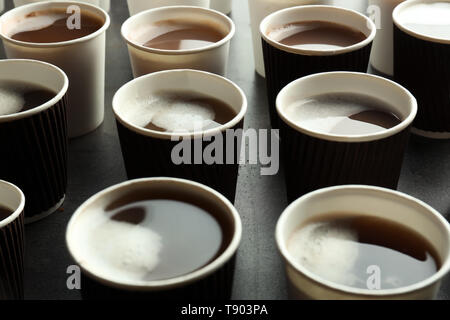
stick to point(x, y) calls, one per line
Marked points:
point(18, 96)
point(342, 247)
point(5, 212)
point(142, 237)
point(316, 35)
point(52, 26)
point(429, 19)
point(179, 111)
point(343, 114)
point(181, 35)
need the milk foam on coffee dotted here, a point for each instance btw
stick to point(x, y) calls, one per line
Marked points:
point(19, 96)
point(38, 22)
point(168, 111)
point(330, 252)
point(346, 249)
point(342, 114)
point(148, 240)
point(429, 19)
point(11, 101)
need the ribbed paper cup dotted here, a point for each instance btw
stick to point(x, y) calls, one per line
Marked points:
point(148, 153)
point(11, 243)
point(364, 201)
point(422, 64)
point(34, 142)
point(284, 64)
point(315, 160)
point(211, 58)
point(211, 282)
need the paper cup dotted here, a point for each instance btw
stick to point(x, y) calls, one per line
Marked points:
point(285, 64)
point(34, 142)
point(212, 58)
point(136, 6)
point(259, 9)
point(223, 6)
point(211, 282)
point(314, 160)
point(364, 201)
point(83, 60)
point(382, 57)
point(148, 153)
point(11, 243)
point(422, 64)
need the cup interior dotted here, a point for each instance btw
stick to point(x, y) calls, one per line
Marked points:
point(199, 82)
point(37, 73)
point(154, 188)
point(12, 198)
point(367, 201)
point(136, 29)
point(424, 12)
point(337, 15)
point(11, 19)
point(401, 100)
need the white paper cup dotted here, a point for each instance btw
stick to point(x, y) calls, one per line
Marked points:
point(382, 58)
point(136, 6)
point(365, 201)
point(223, 6)
point(104, 4)
point(83, 60)
point(212, 58)
point(259, 9)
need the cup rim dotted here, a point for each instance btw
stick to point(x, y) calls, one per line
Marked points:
point(43, 5)
point(20, 208)
point(348, 138)
point(310, 52)
point(184, 135)
point(212, 46)
point(398, 23)
point(46, 105)
point(445, 268)
point(158, 285)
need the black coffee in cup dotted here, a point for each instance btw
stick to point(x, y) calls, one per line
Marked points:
point(179, 111)
point(181, 35)
point(19, 96)
point(316, 35)
point(342, 247)
point(5, 212)
point(51, 26)
point(343, 114)
point(151, 237)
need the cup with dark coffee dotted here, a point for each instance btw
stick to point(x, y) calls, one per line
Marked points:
point(343, 128)
point(304, 40)
point(422, 62)
point(157, 238)
point(184, 124)
point(178, 37)
point(363, 242)
point(33, 133)
point(12, 203)
point(70, 35)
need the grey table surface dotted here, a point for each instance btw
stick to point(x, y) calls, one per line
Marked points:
point(95, 162)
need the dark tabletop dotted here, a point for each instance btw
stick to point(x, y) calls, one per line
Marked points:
point(95, 162)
